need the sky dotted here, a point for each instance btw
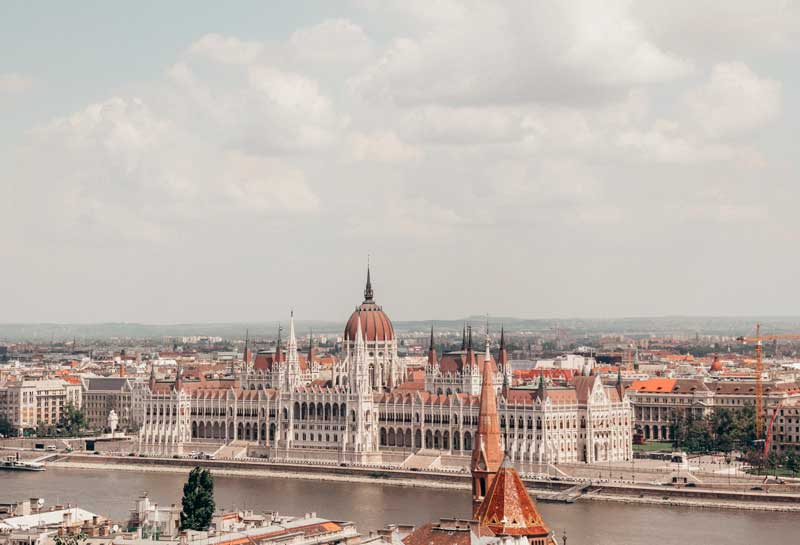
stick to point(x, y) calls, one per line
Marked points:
point(192, 161)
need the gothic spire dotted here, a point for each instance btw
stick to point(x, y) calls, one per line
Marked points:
point(432, 359)
point(152, 382)
point(368, 294)
point(291, 347)
point(464, 337)
point(486, 454)
point(311, 351)
point(502, 356)
point(541, 392)
point(179, 378)
point(278, 350)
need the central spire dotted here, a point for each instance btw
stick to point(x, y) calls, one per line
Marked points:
point(368, 295)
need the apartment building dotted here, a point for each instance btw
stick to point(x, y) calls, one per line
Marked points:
point(655, 400)
point(27, 404)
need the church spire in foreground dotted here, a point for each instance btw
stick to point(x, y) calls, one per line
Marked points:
point(486, 454)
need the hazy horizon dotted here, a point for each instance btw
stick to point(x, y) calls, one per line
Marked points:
point(194, 162)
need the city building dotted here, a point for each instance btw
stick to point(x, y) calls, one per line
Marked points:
point(369, 410)
point(657, 401)
point(101, 395)
point(28, 404)
point(784, 431)
point(503, 512)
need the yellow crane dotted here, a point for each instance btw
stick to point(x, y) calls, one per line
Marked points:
point(759, 343)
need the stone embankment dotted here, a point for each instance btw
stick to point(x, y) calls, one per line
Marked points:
point(455, 480)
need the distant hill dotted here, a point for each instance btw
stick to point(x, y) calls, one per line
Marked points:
point(665, 325)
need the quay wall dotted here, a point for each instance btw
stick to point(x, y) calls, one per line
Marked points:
point(443, 479)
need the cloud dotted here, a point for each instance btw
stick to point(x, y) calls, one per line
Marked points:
point(559, 133)
point(734, 100)
point(227, 49)
point(126, 172)
point(476, 53)
point(14, 83)
point(384, 147)
point(334, 40)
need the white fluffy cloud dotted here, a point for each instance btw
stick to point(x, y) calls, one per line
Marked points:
point(543, 130)
point(332, 41)
point(518, 52)
point(734, 99)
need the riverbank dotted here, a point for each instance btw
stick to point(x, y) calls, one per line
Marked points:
point(629, 494)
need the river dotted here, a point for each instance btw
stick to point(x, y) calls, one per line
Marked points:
point(372, 506)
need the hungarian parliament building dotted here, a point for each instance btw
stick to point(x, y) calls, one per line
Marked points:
point(366, 409)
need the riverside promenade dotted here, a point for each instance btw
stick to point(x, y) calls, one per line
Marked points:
point(716, 495)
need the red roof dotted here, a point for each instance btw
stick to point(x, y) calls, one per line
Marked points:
point(375, 324)
point(508, 510)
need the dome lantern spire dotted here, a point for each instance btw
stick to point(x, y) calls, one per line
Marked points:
point(368, 294)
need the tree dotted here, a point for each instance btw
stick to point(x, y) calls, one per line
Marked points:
point(73, 420)
point(198, 500)
point(6, 428)
point(793, 461)
point(69, 539)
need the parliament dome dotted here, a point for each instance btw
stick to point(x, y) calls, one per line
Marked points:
point(375, 324)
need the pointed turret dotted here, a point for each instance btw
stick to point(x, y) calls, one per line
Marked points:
point(312, 351)
point(292, 359)
point(464, 337)
point(278, 348)
point(541, 392)
point(619, 385)
point(247, 356)
point(502, 357)
point(360, 380)
point(291, 346)
point(368, 294)
point(486, 454)
point(508, 509)
point(432, 359)
point(470, 356)
point(179, 378)
point(152, 381)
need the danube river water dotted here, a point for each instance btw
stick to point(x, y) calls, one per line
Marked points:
point(372, 506)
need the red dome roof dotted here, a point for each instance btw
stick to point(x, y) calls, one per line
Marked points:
point(375, 324)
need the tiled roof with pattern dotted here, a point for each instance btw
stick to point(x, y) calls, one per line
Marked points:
point(375, 324)
point(508, 510)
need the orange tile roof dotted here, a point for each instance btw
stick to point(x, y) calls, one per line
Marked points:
point(508, 510)
point(654, 385)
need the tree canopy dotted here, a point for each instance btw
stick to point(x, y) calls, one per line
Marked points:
point(198, 500)
point(723, 430)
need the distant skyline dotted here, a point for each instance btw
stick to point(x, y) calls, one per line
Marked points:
point(194, 162)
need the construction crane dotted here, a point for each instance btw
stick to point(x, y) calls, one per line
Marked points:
point(759, 343)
